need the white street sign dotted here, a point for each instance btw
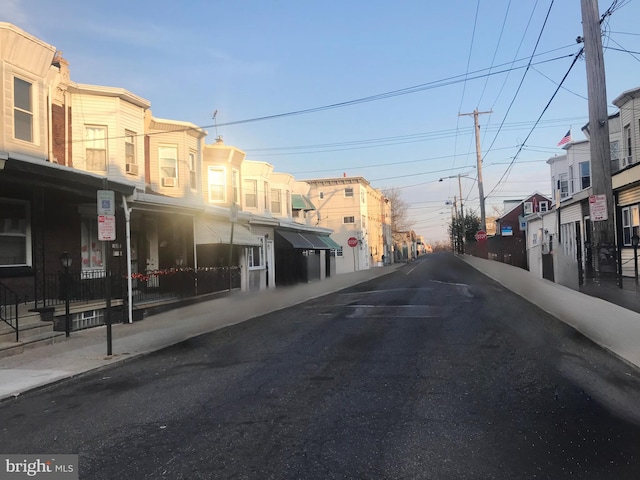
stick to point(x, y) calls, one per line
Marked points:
point(106, 228)
point(598, 208)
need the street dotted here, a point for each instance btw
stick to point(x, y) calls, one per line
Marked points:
point(431, 372)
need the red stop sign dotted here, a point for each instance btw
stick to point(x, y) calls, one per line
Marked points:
point(481, 236)
point(352, 242)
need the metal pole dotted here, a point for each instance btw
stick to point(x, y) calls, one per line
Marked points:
point(67, 314)
point(635, 261)
point(462, 227)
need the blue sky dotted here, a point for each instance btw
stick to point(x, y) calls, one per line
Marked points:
point(251, 59)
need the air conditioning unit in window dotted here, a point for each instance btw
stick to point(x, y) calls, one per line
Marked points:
point(626, 161)
point(169, 182)
point(131, 168)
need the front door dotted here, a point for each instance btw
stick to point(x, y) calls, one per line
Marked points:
point(271, 265)
point(151, 234)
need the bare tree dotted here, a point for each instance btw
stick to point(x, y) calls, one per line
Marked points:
point(400, 221)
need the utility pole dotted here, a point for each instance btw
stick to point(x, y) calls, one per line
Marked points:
point(483, 216)
point(603, 251)
point(462, 224)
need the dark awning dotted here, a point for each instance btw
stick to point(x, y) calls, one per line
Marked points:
point(314, 240)
point(295, 239)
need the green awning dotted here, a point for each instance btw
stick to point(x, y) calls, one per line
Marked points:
point(330, 242)
point(301, 202)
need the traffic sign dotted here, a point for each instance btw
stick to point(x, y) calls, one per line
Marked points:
point(598, 208)
point(352, 242)
point(481, 236)
point(106, 202)
point(106, 228)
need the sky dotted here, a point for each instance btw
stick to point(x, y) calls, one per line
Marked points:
point(358, 88)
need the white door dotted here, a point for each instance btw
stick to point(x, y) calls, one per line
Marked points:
point(271, 265)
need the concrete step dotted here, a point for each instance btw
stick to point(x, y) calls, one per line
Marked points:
point(15, 348)
point(29, 325)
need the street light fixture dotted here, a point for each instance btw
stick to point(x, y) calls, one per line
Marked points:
point(66, 262)
point(462, 224)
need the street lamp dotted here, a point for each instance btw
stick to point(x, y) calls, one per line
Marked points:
point(462, 224)
point(66, 261)
point(634, 242)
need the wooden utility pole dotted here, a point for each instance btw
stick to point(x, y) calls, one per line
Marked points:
point(483, 216)
point(603, 251)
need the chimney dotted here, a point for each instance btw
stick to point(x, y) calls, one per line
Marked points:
point(344, 174)
point(219, 139)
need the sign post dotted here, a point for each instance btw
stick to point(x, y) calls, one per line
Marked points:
point(107, 233)
point(353, 243)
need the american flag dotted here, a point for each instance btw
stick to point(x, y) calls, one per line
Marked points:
point(565, 139)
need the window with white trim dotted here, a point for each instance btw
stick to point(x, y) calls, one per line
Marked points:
point(92, 250)
point(168, 162)
point(250, 188)
point(235, 185)
point(349, 219)
point(256, 255)
point(96, 148)
point(563, 185)
point(544, 206)
point(23, 110)
point(217, 184)
point(585, 175)
point(266, 195)
point(572, 188)
point(528, 208)
point(130, 147)
point(630, 223)
point(628, 139)
point(276, 201)
point(15, 233)
point(193, 179)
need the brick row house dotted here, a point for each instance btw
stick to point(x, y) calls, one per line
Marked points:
point(191, 218)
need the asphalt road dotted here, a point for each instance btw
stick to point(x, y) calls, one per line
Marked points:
point(432, 372)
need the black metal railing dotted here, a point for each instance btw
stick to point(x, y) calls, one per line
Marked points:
point(9, 302)
point(79, 287)
point(178, 283)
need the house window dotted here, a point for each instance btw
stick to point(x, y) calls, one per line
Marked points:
point(528, 208)
point(22, 110)
point(266, 195)
point(217, 184)
point(256, 255)
point(15, 233)
point(572, 188)
point(168, 160)
point(235, 184)
point(130, 147)
point(288, 202)
point(614, 149)
point(585, 175)
point(350, 219)
point(321, 195)
point(348, 192)
point(544, 206)
point(563, 186)
point(276, 200)
point(96, 148)
point(628, 150)
point(336, 252)
point(193, 180)
point(630, 223)
point(250, 188)
point(92, 250)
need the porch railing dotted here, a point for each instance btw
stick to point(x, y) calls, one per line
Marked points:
point(160, 285)
point(9, 302)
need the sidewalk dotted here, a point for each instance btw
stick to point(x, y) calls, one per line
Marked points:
point(607, 323)
point(86, 350)
point(615, 328)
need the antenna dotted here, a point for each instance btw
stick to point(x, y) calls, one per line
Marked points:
point(215, 121)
